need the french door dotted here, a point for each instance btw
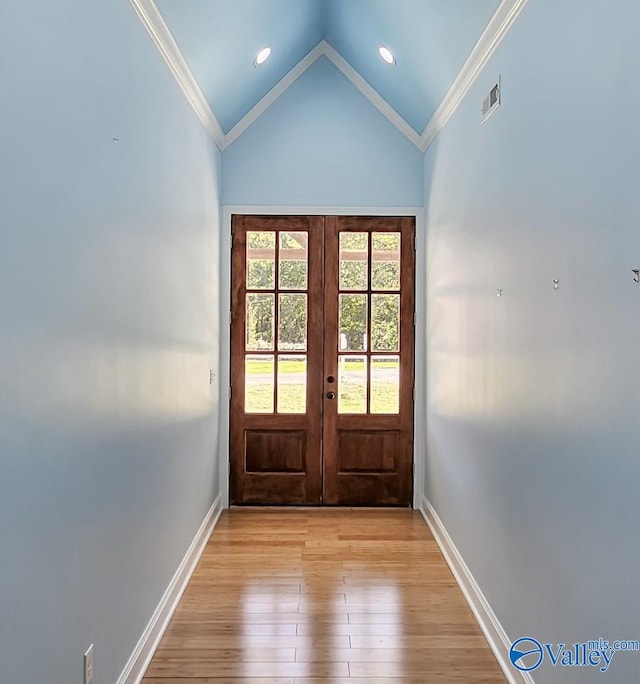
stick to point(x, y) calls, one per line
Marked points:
point(322, 360)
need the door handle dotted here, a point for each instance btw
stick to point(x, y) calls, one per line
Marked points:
point(331, 395)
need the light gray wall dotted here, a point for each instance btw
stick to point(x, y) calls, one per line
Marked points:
point(109, 217)
point(322, 143)
point(534, 397)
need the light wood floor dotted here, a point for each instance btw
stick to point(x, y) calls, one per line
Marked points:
point(298, 596)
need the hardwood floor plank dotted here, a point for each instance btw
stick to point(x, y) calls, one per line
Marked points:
point(431, 628)
point(249, 654)
point(477, 673)
point(302, 596)
point(246, 669)
point(422, 656)
point(475, 640)
point(231, 641)
point(236, 628)
point(222, 680)
point(375, 680)
point(227, 616)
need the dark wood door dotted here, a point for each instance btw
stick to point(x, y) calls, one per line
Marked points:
point(322, 360)
point(369, 352)
point(276, 359)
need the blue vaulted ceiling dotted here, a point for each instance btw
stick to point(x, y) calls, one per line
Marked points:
point(430, 38)
point(220, 39)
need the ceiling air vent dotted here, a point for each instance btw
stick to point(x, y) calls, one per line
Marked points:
point(491, 102)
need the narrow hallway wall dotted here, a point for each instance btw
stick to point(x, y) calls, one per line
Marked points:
point(534, 396)
point(109, 214)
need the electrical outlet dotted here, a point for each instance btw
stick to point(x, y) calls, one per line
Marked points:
point(88, 666)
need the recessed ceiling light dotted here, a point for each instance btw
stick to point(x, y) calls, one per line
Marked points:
point(262, 56)
point(387, 55)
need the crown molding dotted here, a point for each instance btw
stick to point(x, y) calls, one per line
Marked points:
point(266, 102)
point(371, 94)
point(497, 28)
point(156, 27)
point(323, 49)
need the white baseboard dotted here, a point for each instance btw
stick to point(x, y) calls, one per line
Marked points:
point(489, 623)
point(146, 647)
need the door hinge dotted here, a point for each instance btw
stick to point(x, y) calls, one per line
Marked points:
point(230, 392)
point(414, 318)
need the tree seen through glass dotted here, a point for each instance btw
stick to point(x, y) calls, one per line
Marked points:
point(292, 274)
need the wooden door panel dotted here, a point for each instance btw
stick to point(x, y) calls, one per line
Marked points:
point(276, 430)
point(275, 451)
point(368, 451)
point(371, 490)
point(368, 425)
point(276, 489)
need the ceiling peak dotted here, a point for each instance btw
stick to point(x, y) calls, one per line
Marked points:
point(210, 47)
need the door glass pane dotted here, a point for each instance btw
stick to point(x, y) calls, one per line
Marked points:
point(259, 384)
point(385, 323)
point(385, 268)
point(385, 384)
point(261, 260)
point(293, 261)
point(353, 323)
point(292, 384)
point(354, 261)
point(260, 322)
point(352, 384)
point(292, 322)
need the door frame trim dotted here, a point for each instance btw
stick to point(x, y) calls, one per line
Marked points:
point(224, 337)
